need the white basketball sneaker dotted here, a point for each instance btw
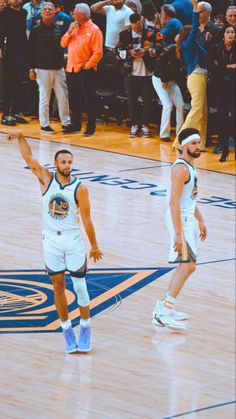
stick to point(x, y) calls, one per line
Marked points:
point(84, 342)
point(162, 319)
point(177, 315)
point(167, 321)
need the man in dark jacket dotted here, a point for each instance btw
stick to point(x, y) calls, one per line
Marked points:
point(61, 19)
point(13, 52)
point(138, 46)
point(209, 33)
point(46, 62)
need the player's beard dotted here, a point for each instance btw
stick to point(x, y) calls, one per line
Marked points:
point(194, 155)
point(65, 174)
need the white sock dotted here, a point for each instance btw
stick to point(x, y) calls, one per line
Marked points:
point(167, 304)
point(66, 324)
point(85, 323)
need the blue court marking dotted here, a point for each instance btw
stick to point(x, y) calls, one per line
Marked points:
point(216, 261)
point(144, 168)
point(116, 269)
point(90, 270)
point(127, 292)
point(26, 297)
point(200, 410)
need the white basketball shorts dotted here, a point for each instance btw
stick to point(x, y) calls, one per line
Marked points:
point(64, 251)
point(189, 236)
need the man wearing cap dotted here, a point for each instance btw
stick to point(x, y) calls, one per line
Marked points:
point(181, 215)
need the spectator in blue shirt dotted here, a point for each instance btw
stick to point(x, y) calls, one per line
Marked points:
point(33, 8)
point(171, 25)
point(184, 10)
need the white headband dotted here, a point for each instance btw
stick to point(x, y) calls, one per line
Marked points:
point(190, 138)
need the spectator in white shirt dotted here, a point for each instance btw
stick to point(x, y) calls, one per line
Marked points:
point(117, 18)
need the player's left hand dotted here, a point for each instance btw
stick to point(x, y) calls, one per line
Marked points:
point(96, 254)
point(203, 230)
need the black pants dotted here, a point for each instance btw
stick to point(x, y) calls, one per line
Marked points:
point(13, 89)
point(81, 89)
point(139, 86)
point(225, 104)
point(33, 97)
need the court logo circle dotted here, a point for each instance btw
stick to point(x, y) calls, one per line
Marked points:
point(27, 302)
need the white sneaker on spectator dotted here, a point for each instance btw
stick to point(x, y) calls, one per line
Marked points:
point(134, 131)
point(145, 132)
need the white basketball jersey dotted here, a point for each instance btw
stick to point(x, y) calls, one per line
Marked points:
point(60, 211)
point(188, 199)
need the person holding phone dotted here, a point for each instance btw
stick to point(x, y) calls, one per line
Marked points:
point(138, 46)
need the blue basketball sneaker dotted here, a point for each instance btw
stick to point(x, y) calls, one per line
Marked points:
point(70, 338)
point(84, 342)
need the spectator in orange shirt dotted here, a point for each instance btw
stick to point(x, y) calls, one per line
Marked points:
point(84, 41)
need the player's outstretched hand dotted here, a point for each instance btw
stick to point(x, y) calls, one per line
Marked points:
point(13, 134)
point(96, 254)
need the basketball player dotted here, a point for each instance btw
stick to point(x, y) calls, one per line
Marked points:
point(181, 215)
point(63, 198)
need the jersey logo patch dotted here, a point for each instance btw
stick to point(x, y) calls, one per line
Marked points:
point(26, 297)
point(58, 207)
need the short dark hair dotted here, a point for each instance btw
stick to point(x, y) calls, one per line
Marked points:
point(186, 133)
point(228, 25)
point(169, 10)
point(62, 152)
point(135, 17)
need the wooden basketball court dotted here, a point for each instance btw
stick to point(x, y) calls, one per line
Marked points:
point(134, 371)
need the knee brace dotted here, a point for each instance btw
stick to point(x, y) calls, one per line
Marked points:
point(81, 291)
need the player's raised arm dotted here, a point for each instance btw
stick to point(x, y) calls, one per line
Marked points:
point(42, 174)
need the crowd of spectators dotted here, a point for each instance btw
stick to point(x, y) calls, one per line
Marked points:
point(152, 52)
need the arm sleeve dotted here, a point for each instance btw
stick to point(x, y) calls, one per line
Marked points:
point(194, 31)
point(167, 31)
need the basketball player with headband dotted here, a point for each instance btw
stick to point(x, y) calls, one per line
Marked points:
point(181, 216)
point(65, 200)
